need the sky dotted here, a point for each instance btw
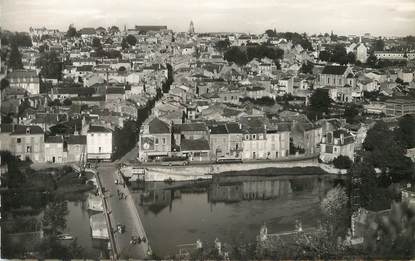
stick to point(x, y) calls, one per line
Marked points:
point(378, 17)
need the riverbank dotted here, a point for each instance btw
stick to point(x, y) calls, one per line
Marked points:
point(41, 197)
point(206, 171)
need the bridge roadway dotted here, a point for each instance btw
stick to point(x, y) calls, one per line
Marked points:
point(123, 212)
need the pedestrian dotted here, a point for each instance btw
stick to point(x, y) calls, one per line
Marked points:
point(116, 182)
point(123, 184)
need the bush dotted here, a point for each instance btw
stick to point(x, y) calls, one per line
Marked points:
point(342, 162)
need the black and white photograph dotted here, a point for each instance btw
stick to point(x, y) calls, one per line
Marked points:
point(207, 130)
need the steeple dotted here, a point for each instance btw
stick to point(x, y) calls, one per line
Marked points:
point(191, 28)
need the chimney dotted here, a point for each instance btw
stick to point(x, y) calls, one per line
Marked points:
point(341, 138)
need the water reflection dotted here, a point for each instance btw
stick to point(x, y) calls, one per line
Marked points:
point(229, 208)
point(157, 196)
point(78, 226)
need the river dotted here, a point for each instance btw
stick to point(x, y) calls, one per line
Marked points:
point(231, 209)
point(77, 225)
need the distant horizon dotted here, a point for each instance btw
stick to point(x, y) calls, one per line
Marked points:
point(353, 17)
point(205, 32)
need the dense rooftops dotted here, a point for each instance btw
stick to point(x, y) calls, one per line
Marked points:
point(96, 128)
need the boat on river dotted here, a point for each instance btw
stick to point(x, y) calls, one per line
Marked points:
point(65, 237)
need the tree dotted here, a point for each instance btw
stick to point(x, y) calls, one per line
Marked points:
point(96, 43)
point(351, 112)
point(405, 133)
point(342, 162)
point(372, 60)
point(21, 40)
point(379, 45)
point(222, 45)
point(393, 236)
point(324, 56)
point(4, 84)
point(351, 58)
point(319, 103)
point(364, 188)
point(307, 68)
point(236, 55)
point(131, 40)
point(124, 44)
point(271, 33)
point(305, 43)
point(71, 32)
point(392, 162)
point(67, 102)
point(339, 54)
point(114, 29)
point(50, 65)
point(15, 58)
point(55, 102)
point(54, 217)
point(335, 212)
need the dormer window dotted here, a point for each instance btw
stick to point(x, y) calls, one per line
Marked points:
point(27, 130)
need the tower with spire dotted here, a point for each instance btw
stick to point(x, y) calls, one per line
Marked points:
point(191, 28)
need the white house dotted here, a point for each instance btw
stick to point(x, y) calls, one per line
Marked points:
point(26, 79)
point(99, 143)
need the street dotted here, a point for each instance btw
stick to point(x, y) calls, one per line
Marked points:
point(122, 211)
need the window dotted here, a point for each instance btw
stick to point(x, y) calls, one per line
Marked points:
point(247, 137)
point(28, 149)
point(254, 136)
point(99, 149)
point(157, 141)
point(164, 140)
point(18, 140)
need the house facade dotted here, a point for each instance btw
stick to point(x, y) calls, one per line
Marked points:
point(99, 143)
point(25, 79)
point(336, 143)
point(155, 140)
point(27, 142)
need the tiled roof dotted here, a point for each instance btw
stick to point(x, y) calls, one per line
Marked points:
point(333, 69)
point(193, 127)
point(233, 127)
point(22, 129)
point(218, 129)
point(115, 90)
point(76, 139)
point(84, 68)
point(157, 126)
point(91, 99)
point(54, 139)
point(252, 124)
point(75, 90)
point(194, 145)
point(96, 128)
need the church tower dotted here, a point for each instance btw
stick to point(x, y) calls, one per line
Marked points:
point(191, 28)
